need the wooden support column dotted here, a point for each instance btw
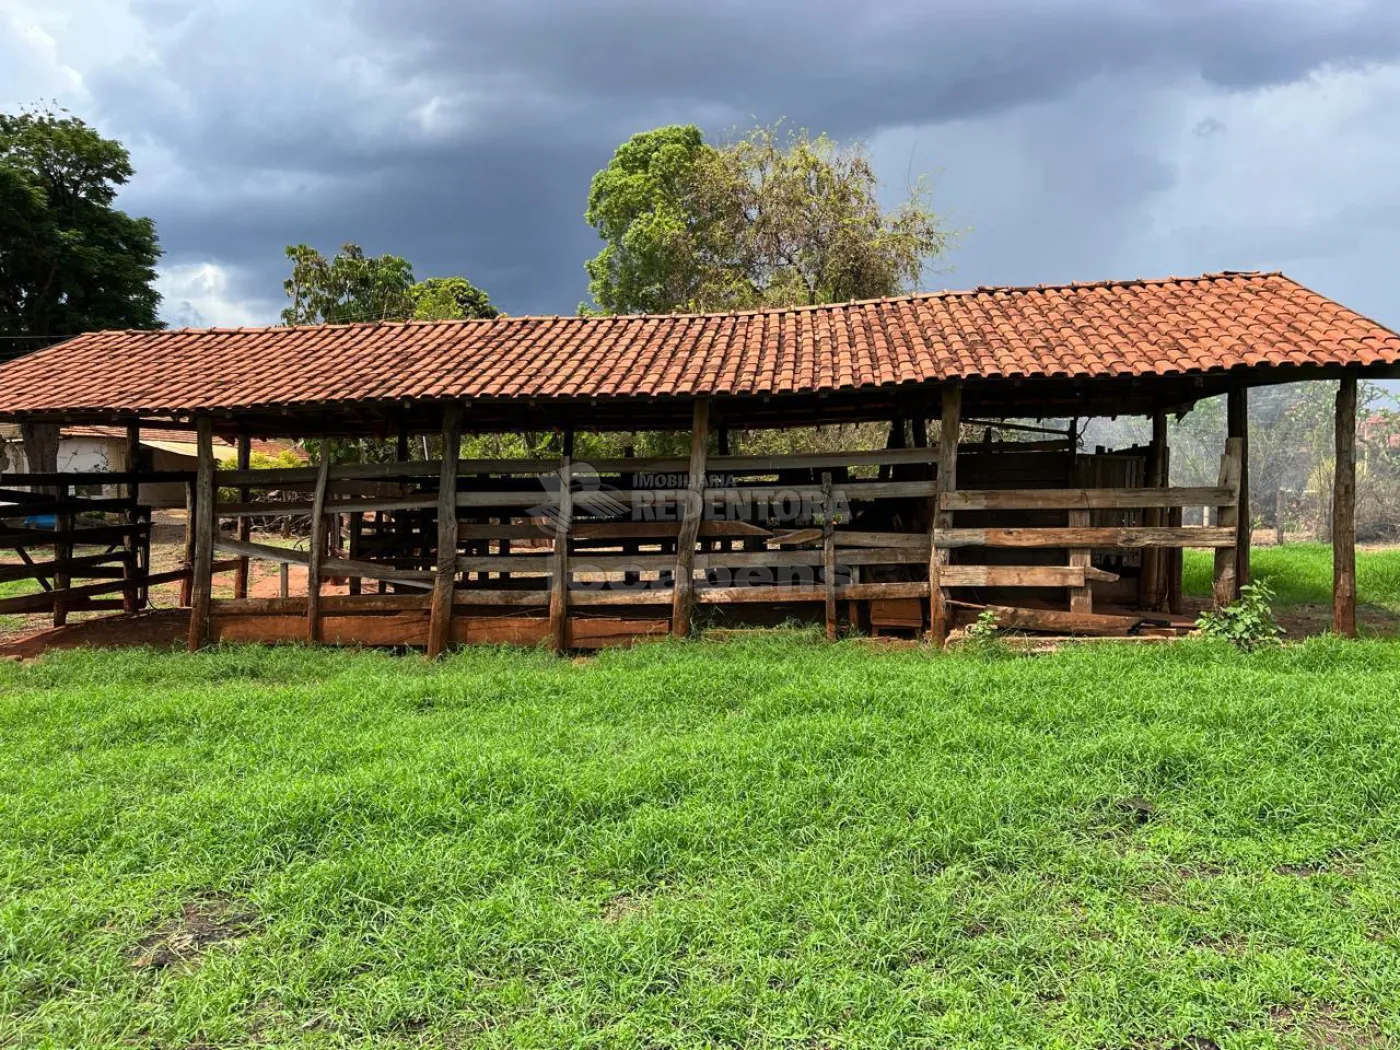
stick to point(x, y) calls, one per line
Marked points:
point(131, 544)
point(1344, 513)
point(949, 424)
point(245, 525)
point(1176, 559)
point(559, 563)
point(1081, 599)
point(445, 580)
point(692, 512)
point(187, 562)
point(1152, 586)
point(1227, 517)
point(829, 553)
point(202, 568)
point(316, 551)
point(1237, 426)
point(64, 524)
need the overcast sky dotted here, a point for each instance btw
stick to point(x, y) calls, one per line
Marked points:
point(1072, 139)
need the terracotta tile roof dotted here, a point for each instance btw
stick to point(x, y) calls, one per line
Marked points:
point(1115, 328)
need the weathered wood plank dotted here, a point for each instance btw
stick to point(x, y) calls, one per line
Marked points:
point(440, 631)
point(688, 536)
point(1237, 426)
point(201, 572)
point(599, 632)
point(1081, 599)
point(1083, 499)
point(1224, 590)
point(245, 527)
point(1012, 576)
point(317, 548)
point(1096, 538)
point(941, 516)
point(813, 593)
point(1059, 622)
point(559, 560)
point(1344, 512)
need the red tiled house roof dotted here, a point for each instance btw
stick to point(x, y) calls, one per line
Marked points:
point(1073, 334)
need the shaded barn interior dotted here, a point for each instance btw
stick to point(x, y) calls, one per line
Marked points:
point(971, 504)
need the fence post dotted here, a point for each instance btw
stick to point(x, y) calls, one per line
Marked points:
point(949, 424)
point(1344, 512)
point(692, 511)
point(202, 570)
point(245, 523)
point(445, 580)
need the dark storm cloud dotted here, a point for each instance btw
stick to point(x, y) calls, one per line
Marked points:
point(463, 135)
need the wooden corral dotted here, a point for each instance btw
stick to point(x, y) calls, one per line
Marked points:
point(963, 510)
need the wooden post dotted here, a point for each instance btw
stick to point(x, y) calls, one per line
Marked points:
point(559, 565)
point(1237, 426)
point(1279, 500)
point(445, 580)
point(131, 543)
point(1152, 590)
point(1344, 513)
point(357, 528)
point(187, 562)
point(316, 551)
point(829, 553)
point(63, 524)
point(245, 524)
point(284, 583)
point(1081, 599)
point(1227, 516)
point(947, 481)
point(1175, 557)
point(692, 512)
point(202, 569)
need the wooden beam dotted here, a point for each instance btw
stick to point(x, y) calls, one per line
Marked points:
point(1013, 576)
point(1095, 537)
point(1150, 587)
point(828, 554)
point(1057, 621)
point(1226, 517)
point(316, 547)
point(202, 568)
point(693, 511)
point(131, 545)
point(445, 580)
point(1081, 598)
point(1084, 499)
point(559, 561)
point(240, 576)
point(801, 593)
point(941, 516)
point(1237, 426)
point(1344, 513)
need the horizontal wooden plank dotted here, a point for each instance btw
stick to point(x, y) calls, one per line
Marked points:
point(611, 530)
point(1084, 499)
point(44, 600)
point(91, 477)
point(346, 604)
point(1094, 538)
point(500, 596)
point(47, 569)
point(1058, 621)
point(1011, 576)
point(852, 591)
point(852, 556)
point(274, 508)
point(819, 460)
point(588, 632)
point(98, 535)
point(850, 490)
point(69, 506)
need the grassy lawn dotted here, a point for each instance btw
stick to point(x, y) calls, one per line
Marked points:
point(768, 843)
point(1301, 574)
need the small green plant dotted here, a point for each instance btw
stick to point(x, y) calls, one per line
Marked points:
point(1248, 622)
point(984, 635)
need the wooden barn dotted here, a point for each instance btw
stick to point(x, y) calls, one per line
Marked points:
point(969, 504)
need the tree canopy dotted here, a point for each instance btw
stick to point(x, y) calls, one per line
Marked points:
point(771, 218)
point(352, 286)
point(70, 260)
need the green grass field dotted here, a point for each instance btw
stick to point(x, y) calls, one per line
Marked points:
point(770, 843)
point(1301, 574)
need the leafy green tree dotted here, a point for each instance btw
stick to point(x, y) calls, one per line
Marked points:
point(450, 299)
point(350, 286)
point(70, 261)
point(772, 218)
